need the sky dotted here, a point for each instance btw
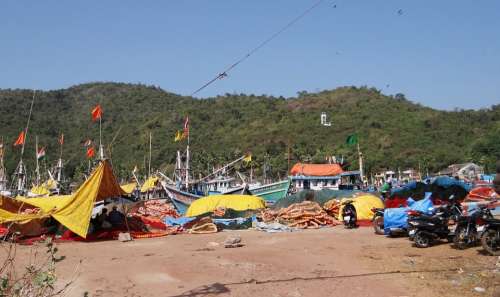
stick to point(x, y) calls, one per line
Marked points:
point(443, 54)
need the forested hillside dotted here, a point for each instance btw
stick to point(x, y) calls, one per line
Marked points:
point(393, 132)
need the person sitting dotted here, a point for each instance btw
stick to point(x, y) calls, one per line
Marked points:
point(102, 221)
point(115, 217)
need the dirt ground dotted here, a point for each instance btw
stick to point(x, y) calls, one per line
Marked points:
point(325, 262)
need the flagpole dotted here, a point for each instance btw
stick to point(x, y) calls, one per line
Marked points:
point(28, 124)
point(101, 149)
point(360, 155)
point(37, 170)
point(149, 165)
point(187, 157)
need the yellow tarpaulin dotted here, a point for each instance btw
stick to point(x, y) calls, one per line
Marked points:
point(363, 205)
point(72, 211)
point(44, 189)
point(149, 184)
point(129, 188)
point(236, 202)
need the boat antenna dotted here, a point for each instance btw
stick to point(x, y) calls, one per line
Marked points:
point(223, 74)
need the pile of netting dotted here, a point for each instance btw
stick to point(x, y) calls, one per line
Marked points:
point(304, 215)
point(155, 208)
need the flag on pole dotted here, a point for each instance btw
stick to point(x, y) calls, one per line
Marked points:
point(90, 152)
point(96, 112)
point(352, 139)
point(87, 142)
point(40, 154)
point(178, 136)
point(1, 150)
point(61, 139)
point(20, 139)
point(135, 169)
point(186, 128)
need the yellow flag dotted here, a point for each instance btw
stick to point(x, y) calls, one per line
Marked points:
point(248, 158)
point(178, 136)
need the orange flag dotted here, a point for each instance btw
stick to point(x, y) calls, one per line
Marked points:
point(20, 139)
point(96, 112)
point(186, 128)
point(61, 139)
point(90, 152)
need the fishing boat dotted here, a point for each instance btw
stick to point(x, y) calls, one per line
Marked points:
point(181, 199)
point(271, 192)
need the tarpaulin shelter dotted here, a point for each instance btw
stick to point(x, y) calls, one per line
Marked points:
point(414, 189)
point(442, 187)
point(45, 188)
point(129, 188)
point(316, 169)
point(149, 184)
point(321, 197)
point(73, 211)
point(235, 202)
point(398, 217)
point(363, 205)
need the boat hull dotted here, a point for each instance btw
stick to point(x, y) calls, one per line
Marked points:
point(272, 192)
point(181, 200)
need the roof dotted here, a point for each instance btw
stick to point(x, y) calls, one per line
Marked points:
point(316, 169)
point(321, 177)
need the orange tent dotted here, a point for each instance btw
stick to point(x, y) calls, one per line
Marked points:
point(316, 169)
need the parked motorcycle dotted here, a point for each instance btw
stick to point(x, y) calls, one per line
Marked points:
point(425, 229)
point(470, 227)
point(349, 215)
point(490, 240)
point(378, 220)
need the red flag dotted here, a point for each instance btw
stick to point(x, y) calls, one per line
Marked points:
point(61, 139)
point(90, 152)
point(186, 127)
point(20, 139)
point(96, 113)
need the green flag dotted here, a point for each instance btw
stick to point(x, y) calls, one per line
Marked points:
point(352, 139)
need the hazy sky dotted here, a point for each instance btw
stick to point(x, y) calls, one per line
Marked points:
point(443, 54)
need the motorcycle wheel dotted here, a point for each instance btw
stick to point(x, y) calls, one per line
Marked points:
point(378, 225)
point(459, 240)
point(491, 243)
point(421, 240)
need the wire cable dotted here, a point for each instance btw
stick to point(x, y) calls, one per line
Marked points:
point(261, 45)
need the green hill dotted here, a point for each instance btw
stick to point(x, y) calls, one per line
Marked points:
point(393, 131)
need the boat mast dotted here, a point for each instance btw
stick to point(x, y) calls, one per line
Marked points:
point(149, 161)
point(101, 146)
point(21, 170)
point(37, 169)
point(3, 175)
point(187, 164)
point(59, 167)
point(360, 164)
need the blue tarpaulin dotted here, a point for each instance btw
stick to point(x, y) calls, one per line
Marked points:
point(398, 217)
point(170, 221)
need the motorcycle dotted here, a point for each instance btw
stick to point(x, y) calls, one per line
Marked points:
point(425, 229)
point(378, 220)
point(490, 240)
point(349, 215)
point(470, 227)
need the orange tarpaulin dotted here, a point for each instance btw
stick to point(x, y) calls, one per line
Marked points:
point(316, 169)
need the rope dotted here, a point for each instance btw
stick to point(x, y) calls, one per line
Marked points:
point(261, 45)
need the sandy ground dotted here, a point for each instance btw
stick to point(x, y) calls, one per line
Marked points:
point(326, 262)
